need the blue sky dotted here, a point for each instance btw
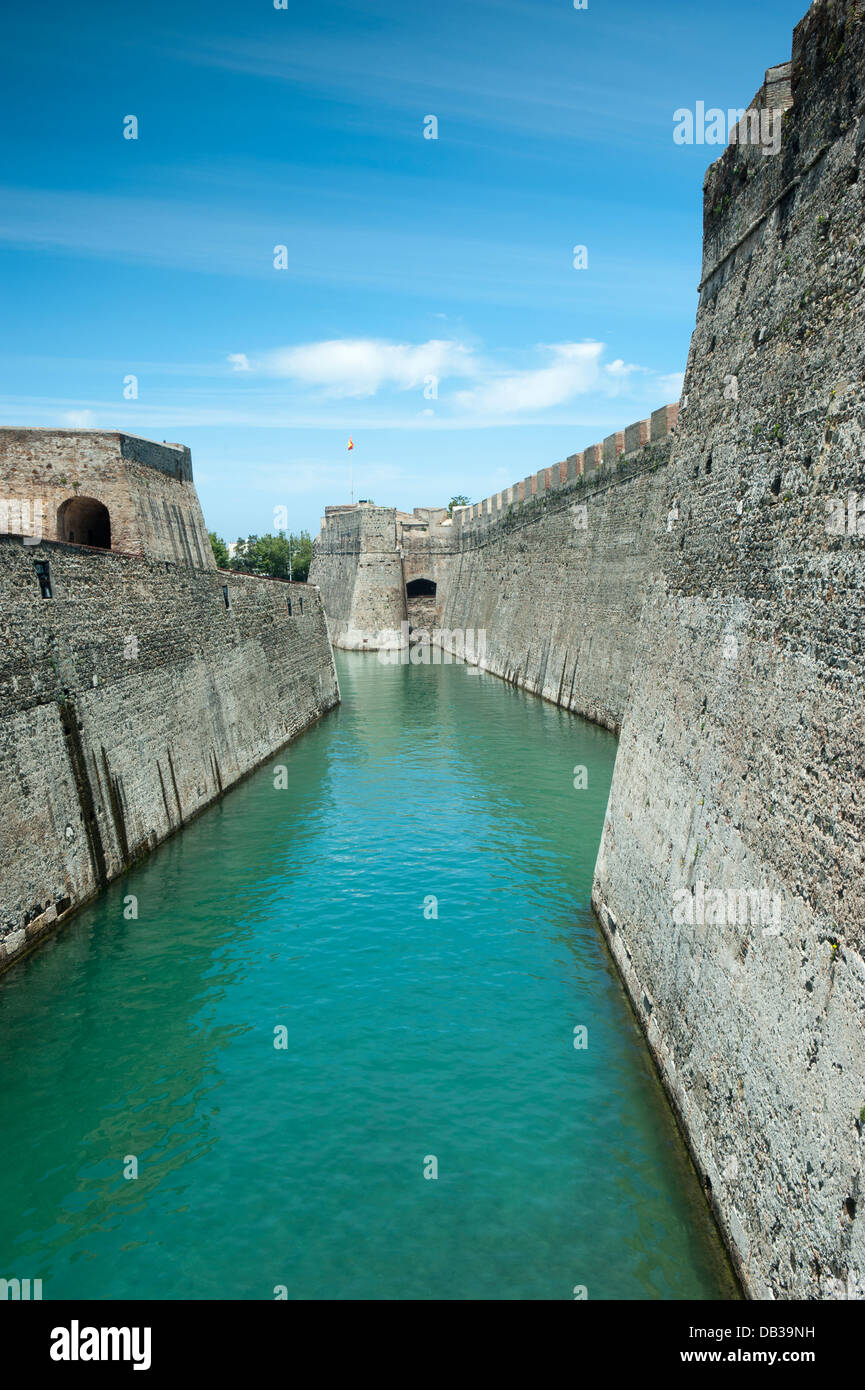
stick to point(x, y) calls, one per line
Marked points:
point(407, 258)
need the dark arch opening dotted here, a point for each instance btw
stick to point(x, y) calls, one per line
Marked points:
point(414, 587)
point(84, 521)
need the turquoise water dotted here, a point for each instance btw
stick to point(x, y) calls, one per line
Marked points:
point(408, 1036)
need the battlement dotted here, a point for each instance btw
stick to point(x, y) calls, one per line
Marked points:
point(104, 490)
point(595, 462)
point(358, 527)
point(803, 106)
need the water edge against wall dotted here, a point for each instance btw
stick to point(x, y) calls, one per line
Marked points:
point(414, 1029)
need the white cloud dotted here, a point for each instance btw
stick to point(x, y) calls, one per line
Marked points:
point(370, 383)
point(360, 368)
point(363, 366)
point(574, 370)
point(622, 370)
point(619, 375)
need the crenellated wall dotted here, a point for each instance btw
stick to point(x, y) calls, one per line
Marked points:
point(590, 466)
point(698, 583)
point(551, 590)
point(365, 556)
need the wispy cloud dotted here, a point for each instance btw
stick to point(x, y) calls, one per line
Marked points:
point(374, 383)
point(363, 366)
point(382, 77)
point(573, 370)
point(390, 251)
point(79, 419)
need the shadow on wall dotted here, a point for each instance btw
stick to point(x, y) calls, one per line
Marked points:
point(421, 603)
point(416, 587)
point(84, 521)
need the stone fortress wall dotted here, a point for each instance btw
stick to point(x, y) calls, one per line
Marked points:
point(701, 592)
point(740, 761)
point(361, 580)
point(590, 466)
point(553, 621)
point(552, 589)
point(708, 603)
point(135, 686)
point(58, 476)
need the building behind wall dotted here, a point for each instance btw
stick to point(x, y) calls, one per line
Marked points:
point(104, 489)
point(137, 681)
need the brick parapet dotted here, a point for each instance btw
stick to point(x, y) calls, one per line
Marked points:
point(617, 450)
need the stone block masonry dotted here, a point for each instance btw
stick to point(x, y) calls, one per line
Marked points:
point(105, 489)
point(365, 556)
point(703, 594)
point(554, 578)
point(740, 761)
point(637, 435)
point(131, 699)
point(557, 584)
point(614, 444)
point(358, 566)
point(663, 421)
point(604, 456)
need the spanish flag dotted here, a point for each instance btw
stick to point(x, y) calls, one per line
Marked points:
point(350, 442)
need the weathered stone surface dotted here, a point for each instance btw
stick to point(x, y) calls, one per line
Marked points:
point(560, 621)
point(740, 761)
point(714, 608)
point(146, 487)
point(663, 421)
point(557, 587)
point(129, 700)
point(358, 568)
point(637, 435)
point(613, 446)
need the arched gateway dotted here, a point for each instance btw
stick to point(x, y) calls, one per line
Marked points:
point(84, 521)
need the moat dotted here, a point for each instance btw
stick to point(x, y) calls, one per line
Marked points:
point(408, 918)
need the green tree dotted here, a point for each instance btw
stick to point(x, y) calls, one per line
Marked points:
point(301, 557)
point(276, 556)
point(457, 502)
point(220, 550)
point(244, 557)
